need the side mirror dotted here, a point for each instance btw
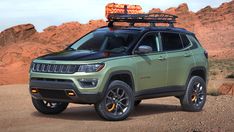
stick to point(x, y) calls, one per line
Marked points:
point(143, 49)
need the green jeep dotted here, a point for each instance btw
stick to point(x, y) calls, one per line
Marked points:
point(115, 67)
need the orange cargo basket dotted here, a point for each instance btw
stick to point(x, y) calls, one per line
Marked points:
point(113, 8)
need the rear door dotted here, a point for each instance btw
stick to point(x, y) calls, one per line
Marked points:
point(179, 58)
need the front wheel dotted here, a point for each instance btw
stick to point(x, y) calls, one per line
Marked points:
point(48, 107)
point(195, 95)
point(117, 103)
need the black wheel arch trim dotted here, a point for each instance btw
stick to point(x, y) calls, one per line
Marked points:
point(118, 73)
point(202, 68)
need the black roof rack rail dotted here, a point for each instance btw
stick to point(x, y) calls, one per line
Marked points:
point(151, 18)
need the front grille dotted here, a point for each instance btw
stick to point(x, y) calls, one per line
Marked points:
point(54, 68)
point(54, 94)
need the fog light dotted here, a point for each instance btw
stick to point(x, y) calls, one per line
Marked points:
point(34, 90)
point(88, 82)
point(71, 93)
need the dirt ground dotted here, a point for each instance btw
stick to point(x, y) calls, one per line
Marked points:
point(162, 114)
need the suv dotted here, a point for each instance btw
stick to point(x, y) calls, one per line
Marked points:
point(115, 67)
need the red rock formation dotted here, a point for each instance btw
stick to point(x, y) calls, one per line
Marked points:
point(182, 8)
point(155, 10)
point(214, 28)
point(16, 33)
point(20, 44)
point(227, 89)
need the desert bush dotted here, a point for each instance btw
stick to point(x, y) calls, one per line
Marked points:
point(230, 75)
point(213, 92)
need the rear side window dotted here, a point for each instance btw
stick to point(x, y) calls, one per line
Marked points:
point(185, 40)
point(193, 40)
point(171, 41)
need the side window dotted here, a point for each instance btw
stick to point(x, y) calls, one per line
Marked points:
point(185, 40)
point(152, 40)
point(193, 40)
point(171, 41)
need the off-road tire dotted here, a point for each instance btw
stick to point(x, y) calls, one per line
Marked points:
point(113, 96)
point(196, 87)
point(47, 107)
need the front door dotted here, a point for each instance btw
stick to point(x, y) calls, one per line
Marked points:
point(151, 67)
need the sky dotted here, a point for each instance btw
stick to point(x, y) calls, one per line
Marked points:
point(44, 13)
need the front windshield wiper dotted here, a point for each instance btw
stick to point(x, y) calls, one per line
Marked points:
point(72, 49)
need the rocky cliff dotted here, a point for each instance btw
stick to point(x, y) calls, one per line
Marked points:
point(214, 27)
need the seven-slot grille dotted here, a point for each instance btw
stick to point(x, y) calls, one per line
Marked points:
point(54, 68)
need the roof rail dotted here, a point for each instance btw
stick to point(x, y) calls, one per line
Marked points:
point(151, 18)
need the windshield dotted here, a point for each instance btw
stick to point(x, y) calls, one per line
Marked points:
point(113, 41)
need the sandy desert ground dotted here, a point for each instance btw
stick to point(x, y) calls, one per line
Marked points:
point(20, 44)
point(162, 114)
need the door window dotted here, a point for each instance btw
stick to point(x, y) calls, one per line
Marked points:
point(185, 40)
point(152, 40)
point(171, 41)
point(193, 40)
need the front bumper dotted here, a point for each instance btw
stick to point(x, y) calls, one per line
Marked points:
point(57, 89)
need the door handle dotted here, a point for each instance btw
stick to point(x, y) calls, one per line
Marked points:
point(187, 54)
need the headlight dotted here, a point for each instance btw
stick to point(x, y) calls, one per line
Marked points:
point(91, 67)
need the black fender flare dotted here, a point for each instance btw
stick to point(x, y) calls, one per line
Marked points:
point(118, 73)
point(202, 68)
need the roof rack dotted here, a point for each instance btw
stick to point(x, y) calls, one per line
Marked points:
point(151, 18)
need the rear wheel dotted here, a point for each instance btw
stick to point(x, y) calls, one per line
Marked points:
point(49, 107)
point(195, 96)
point(118, 102)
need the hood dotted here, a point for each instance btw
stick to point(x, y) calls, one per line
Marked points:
point(77, 55)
